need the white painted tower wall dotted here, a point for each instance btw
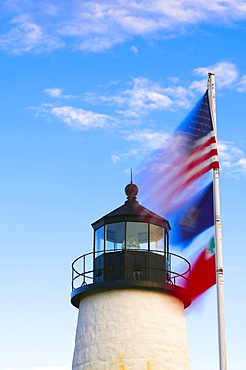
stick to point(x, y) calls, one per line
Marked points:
point(131, 329)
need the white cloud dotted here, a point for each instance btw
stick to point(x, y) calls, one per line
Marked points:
point(199, 86)
point(99, 25)
point(242, 84)
point(28, 36)
point(148, 139)
point(98, 43)
point(173, 79)
point(134, 49)
point(95, 98)
point(78, 118)
point(56, 92)
point(143, 97)
point(226, 75)
point(232, 159)
point(137, 25)
point(119, 157)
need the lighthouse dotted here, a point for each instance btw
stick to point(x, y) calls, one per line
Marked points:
point(130, 295)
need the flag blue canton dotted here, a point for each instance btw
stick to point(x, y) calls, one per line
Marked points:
point(198, 123)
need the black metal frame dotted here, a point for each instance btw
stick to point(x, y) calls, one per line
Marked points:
point(166, 235)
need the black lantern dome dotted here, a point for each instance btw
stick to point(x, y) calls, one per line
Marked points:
point(131, 250)
point(131, 210)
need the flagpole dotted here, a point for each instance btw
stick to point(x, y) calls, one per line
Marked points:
point(218, 237)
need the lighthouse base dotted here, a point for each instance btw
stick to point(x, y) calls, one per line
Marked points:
point(131, 329)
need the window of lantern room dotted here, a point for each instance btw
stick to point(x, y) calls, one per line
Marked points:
point(156, 239)
point(115, 236)
point(99, 241)
point(136, 235)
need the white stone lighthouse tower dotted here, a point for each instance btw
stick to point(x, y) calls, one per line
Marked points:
point(131, 304)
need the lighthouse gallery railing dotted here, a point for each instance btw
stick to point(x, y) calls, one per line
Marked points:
point(84, 272)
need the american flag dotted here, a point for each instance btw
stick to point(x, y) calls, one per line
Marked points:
point(172, 175)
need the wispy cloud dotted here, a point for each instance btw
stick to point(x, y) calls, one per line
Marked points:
point(56, 92)
point(134, 49)
point(78, 118)
point(226, 75)
point(148, 138)
point(100, 25)
point(241, 85)
point(26, 36)
point(119, 157)
point(141, 98)
point(144, 96)
point(233, 160)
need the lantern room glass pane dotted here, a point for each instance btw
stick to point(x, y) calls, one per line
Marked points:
point(136, 235)
point(99, 240)
point(156, 239)
point(115, 236)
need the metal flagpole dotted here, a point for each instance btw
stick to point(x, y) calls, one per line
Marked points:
point(218, 237)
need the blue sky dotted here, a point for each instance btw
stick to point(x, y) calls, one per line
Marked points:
point(88, 90)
